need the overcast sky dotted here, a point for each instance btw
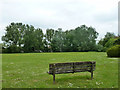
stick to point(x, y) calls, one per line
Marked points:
point(65, 14)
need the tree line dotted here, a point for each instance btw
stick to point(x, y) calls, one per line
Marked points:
point(26, 38)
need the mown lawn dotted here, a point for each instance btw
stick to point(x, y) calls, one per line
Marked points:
point(29, 70)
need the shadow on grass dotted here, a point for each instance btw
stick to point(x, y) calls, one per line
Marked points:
point(71, 78)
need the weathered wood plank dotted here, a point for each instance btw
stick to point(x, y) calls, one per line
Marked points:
point(72, 66)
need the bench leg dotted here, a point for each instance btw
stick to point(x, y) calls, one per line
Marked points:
point(91, 74)
point(53, 78)
point(53, 73)
point(92, 71)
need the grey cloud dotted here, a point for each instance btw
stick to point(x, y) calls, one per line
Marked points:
point(65, 14)
point(107, 16)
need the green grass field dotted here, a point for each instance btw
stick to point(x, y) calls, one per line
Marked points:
point(29, 70)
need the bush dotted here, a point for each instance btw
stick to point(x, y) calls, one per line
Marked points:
point(114, 51)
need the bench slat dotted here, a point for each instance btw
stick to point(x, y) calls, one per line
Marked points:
point(71, 67)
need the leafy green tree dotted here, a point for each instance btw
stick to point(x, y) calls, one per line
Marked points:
point(45, 44)
point(14, 35)
point(20, 37)
point(68, 41)
point(58, 40)
point(106, 38)
point(38, 43)
point(84, 38)
point(29, 39)
point(49, 34)
point(1, 47)
point(117, 41)
point(110, 42)
point(49, 37)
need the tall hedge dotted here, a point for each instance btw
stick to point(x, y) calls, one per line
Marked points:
point(114, 51)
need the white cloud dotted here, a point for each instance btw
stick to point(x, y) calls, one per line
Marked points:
point(66, 14)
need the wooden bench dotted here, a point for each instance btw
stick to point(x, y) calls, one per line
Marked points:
point(71, 67)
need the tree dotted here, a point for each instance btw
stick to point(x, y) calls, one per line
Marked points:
point(106, 38)
point(1, 47)
point(14, 35)
point(39, 46)
point(58, 40)
point(84, 38)
point(110, 42)
point(20, 37)
point(49, 37)
point(117, 41)
point(68, 40)
point(29, 39)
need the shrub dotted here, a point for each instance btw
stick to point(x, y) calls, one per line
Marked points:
point(114, 51)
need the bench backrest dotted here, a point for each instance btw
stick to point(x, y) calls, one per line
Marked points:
point(71, 67)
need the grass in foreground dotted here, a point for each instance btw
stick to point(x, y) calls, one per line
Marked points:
point(29, 71)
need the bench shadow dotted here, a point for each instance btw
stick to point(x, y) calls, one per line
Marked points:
point(67, 78)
